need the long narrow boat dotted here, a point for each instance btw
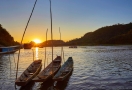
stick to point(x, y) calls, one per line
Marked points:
point(64, 71)
point(9, 49)
point(33, 69)
point(49, 71)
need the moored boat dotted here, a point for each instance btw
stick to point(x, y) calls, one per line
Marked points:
point(33, 69)
point(9, 49)
point(64, 71)
point(49, 71)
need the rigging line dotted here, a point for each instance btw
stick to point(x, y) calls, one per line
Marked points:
point(51, 33)
point(24, 34)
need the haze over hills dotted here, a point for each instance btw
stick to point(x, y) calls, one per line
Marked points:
point(118, 34)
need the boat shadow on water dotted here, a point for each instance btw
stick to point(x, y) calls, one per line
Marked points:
point(48, 85)
point(29, 86)
point(60, 85)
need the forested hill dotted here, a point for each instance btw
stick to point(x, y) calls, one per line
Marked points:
point(115, 34)
point(5, 38)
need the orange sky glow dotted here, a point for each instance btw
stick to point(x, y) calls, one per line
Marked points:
point(74, 17)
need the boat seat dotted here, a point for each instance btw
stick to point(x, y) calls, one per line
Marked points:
point(28, 70)
point(39, 77)
point(47, 73)
point(21, 78)
point(32, 65)
point(54, 67)
point(31, 73)
point(56, 61)
point(25, 74)
point(66, 71)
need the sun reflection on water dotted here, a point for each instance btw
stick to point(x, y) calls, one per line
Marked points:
point(36, 53)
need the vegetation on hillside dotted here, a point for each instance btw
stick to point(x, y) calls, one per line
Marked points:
point(115, 34)
point(118, 34)
point(5, 38)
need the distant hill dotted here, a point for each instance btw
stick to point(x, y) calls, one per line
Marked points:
point(55, 43)
point(118, 34)
point(115, 34)
point(48, 43)
point(5, 38)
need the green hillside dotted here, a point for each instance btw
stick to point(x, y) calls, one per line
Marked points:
point(5, 38)
point(115, 34)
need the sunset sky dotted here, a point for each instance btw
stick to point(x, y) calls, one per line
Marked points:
point(74, 17)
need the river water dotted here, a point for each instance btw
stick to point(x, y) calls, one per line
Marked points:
point(95, 67)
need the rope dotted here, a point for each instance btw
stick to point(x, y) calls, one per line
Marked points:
point(23, 36)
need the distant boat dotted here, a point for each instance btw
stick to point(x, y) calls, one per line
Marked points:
point(72, 46)
point(33, 69)
point(9, 49)
point(64, 71)
point(41, 46)
point(49, 71)
point(27, 46)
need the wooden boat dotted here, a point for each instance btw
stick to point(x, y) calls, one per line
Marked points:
point(49, 71)
point(64, 71)
point(8, 50)
point(33, 69)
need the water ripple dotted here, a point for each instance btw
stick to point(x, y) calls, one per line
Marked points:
point(95, 67)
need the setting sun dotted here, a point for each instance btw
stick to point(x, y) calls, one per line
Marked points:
point(37, 41)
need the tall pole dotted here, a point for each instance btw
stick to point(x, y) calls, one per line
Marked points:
point(45, 47)
point(33, 54)
point(51, 34)
point(62, 51)
point(23, 37)
point(60, 40)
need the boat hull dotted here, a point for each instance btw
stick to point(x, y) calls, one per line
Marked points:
point(49, 71)
point(29, 77)
point(46, 78)
point(64, 71)
point(63, 78)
